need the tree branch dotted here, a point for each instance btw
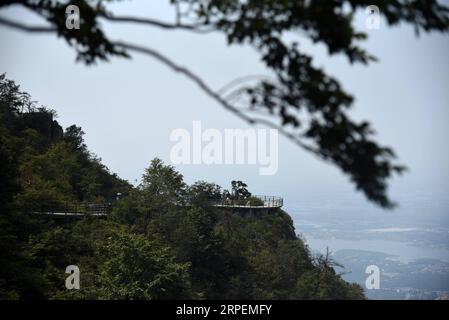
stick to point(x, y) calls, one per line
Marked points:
point(164, 25)
point(211, 93)
point(23, 27)
point(243, 79)
point(201, 84)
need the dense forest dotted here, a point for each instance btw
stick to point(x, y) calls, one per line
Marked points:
point(162, 239)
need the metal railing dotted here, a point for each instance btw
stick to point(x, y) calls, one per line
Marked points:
point(254, 201)
point(105, 208)
point(74, 209)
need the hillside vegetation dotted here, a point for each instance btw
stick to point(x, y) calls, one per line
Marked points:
point(162, 240)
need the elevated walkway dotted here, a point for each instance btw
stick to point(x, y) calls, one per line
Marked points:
point(254, 205)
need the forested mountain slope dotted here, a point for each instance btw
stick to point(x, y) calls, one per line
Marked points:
point(162, 240)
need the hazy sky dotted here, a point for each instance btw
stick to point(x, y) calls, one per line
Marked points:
point(129, 107)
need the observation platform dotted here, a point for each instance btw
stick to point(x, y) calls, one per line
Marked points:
point(254, 205)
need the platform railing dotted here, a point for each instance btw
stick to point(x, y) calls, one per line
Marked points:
point(73, 208)
point(253, 201)
point(105, 208)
